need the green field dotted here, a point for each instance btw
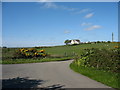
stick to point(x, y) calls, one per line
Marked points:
point(77, 49)
point(61, 51)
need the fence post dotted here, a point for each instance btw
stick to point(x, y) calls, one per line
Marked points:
point(65, 54)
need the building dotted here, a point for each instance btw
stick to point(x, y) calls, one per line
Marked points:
point(75, 41)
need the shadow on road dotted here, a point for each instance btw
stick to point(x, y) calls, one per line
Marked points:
point(21, 83)
point(26, 83)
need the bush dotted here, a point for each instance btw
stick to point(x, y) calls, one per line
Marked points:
point(29, 53)
point(4, 47)
point(101, 59)
point(98, 42)
point(109, 41)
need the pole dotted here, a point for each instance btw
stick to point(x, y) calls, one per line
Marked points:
point(112, 37)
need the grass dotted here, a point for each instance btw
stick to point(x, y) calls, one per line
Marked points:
point(107, 78)
point(21, 61)
point(56, 51)
point(77, 49)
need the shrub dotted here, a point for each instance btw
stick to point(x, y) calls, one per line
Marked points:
point(116, 46)
point(109, 41)
point(101, 59)
point(98, 42)
point(4, 47)
point(29, 53)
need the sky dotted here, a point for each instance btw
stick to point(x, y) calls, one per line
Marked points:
point(28, 24)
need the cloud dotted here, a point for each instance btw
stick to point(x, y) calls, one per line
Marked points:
point(89, 15)
point(66, 31)
point(53, 5)
point(82, 11)
point(50, 5)
point(93, 27)
point(85, 24)
point(67, 8)
point(42, 0)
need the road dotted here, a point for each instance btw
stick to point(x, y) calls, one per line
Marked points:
point(46, 74)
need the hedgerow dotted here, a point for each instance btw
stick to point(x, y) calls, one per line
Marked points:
point(102, 59)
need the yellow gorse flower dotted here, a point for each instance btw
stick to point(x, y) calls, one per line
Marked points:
point(26, 50)
point(41, 51)
point(31, 52)
point(43, 54)
point(22, 49)
point(116, 46)
point(35, 53)
point(27, 54)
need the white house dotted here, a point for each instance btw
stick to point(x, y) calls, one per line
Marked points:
point(75, 42)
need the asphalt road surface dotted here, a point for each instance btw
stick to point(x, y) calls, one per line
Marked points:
point(46, 74)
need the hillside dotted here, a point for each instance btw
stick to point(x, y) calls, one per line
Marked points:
point(77, 49)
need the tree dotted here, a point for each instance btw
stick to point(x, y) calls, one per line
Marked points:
point(4, 47)
point(98, 42)
point(67, 42)
point(109, 41)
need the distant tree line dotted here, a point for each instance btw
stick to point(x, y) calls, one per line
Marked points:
point(67, 42)
point(100, 42)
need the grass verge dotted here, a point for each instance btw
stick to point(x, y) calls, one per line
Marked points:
point(107, 78)
point(21, 61)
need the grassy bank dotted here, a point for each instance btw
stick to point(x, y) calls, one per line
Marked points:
point(9, 56)
point(107, 78)
point(102, 65)
point(21, 61)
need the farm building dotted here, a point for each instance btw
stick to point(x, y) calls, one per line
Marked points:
point(75, 42)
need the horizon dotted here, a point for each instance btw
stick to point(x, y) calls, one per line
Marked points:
point(30, 24)
point(58, 45)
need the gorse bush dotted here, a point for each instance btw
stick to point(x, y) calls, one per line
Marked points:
point(101, 59)
point(29, 53)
